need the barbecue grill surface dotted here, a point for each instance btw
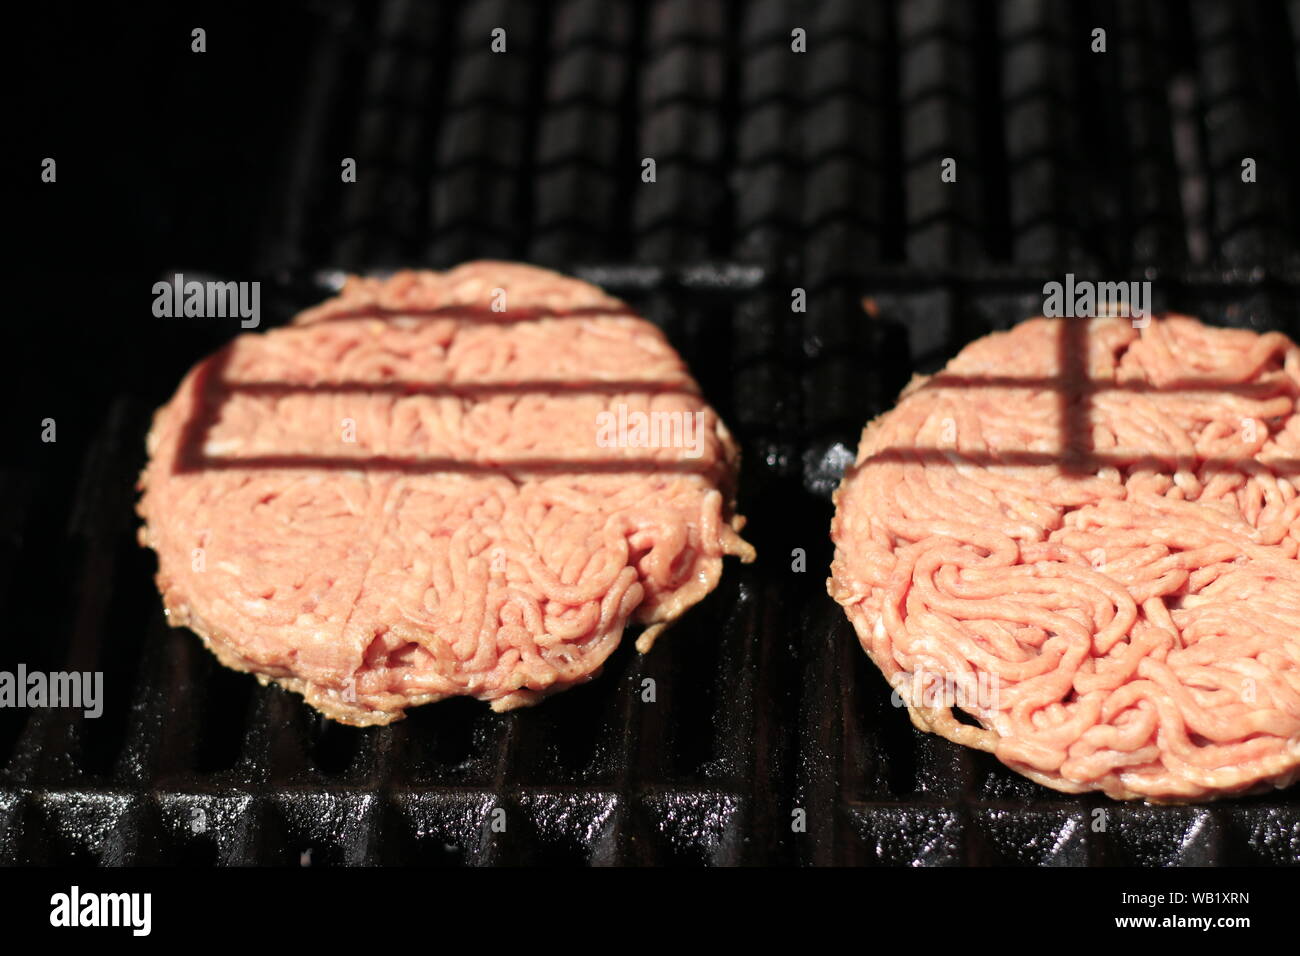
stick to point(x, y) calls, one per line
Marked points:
point(775, 171)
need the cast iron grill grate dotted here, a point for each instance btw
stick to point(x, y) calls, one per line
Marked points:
point(775, 171)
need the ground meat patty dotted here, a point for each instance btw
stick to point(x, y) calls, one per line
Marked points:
point(411, 494)
point(1118, 609)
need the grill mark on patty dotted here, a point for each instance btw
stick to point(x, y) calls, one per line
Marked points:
point(638, 536)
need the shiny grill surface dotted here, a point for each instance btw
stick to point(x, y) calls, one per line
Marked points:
point(776, 171)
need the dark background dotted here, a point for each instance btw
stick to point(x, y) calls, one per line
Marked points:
point(775, 170)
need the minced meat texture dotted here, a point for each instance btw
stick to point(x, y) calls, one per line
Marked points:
point(403, 496)
point(1117, 610)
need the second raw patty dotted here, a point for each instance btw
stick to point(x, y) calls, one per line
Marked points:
point(439, 484)
point(1085, 538)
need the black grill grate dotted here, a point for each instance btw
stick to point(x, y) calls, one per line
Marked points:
point(775, 171)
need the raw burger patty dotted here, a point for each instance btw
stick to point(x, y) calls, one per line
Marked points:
point(403, 496)
point(1119, 609)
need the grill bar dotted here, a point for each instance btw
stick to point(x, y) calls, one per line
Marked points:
point(770, 738)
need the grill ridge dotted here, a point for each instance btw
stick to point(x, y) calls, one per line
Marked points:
point(776, 171)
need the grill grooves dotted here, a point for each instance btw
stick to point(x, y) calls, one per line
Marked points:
point(775, 171)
